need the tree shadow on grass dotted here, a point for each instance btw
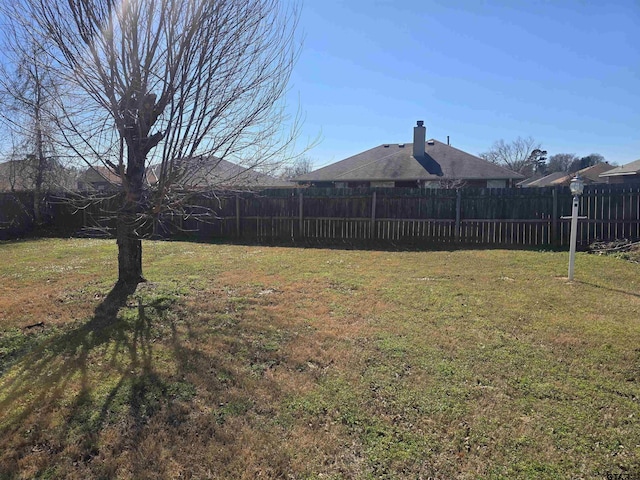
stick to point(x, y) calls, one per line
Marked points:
point(135, 385)
point(49, 398)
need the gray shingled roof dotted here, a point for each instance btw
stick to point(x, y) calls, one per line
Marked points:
point(200, 173)
point(20, 175)
point(11, 176)
point(99, 174)
point(632, 168)
point(396, 162)
point(544, 181)
point(589, 175)
point(206, 172)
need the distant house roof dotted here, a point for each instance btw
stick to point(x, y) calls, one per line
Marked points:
point(207, 172)
point(632, 168)
point(98, 178)
point(20, 175)
point(396, 162)
point(11, 178)
point(527, 181)
point(589, 175)
point(199, 173)
point(545, 181)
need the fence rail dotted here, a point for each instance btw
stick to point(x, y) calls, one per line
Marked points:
point(509, 217)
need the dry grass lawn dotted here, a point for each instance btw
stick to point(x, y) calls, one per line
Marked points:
point(241, 362)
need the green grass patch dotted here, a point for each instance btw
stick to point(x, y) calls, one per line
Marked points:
point(281, 362)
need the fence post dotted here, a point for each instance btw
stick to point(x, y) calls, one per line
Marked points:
point(301, 214)
point(458, 213)
point(238, 215)
point(554, 218)
point(372, 226)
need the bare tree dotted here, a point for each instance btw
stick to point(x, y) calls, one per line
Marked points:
point(522, 155)
point(159, 82)
point(452, 184)
point(560, 162)
point(298, 167)
point(27, 96)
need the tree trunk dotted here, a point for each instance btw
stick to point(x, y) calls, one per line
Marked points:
point(129, 253)
point(127, 223)
point(40, 160)
point(37, 213)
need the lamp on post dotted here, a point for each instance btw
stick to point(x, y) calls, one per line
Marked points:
point(576, 187)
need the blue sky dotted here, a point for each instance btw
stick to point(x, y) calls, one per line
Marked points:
point(565, 72)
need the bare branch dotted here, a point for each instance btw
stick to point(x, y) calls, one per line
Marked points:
point(516, 155)
point(153, 83)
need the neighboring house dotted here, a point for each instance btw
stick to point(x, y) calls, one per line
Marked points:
point(11, 179)
point(423, 163)
point(197, 174)
point(212, 172)
point(98, 179)
point(629, 173)
point(589, 175)
point(19, 175)
point(544, 181)
point(527, 181)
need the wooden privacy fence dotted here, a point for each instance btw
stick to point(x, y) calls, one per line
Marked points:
point(527, 217)
point(16, 214)
point(503, 217)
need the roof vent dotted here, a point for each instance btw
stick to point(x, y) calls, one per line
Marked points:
point(386, 145)
point(401, 145)
point(430, 142)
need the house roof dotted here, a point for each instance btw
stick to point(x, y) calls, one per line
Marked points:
point(20, 175)
point(632, 168)
point(206, 172)
point(11, 178)
point(200, 173)
point(100, 174)
point(529, 180)
point(589, 175)
point(545, 181)
point(396, 162)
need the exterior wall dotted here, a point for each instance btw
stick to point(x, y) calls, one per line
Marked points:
point(631, 178)
point(388, 184)
point(614, 180)
point(85, 186)
point(407, 184)
point(496, 184)
point(620, 179)
point(323, 184)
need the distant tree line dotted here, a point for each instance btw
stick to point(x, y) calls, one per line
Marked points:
point(527, 156)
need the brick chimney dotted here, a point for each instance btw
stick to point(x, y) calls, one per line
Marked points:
point(419, 137)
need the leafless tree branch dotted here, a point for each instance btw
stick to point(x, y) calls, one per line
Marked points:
point(155, 83)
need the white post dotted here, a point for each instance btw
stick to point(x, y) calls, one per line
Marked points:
point(574, 236)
